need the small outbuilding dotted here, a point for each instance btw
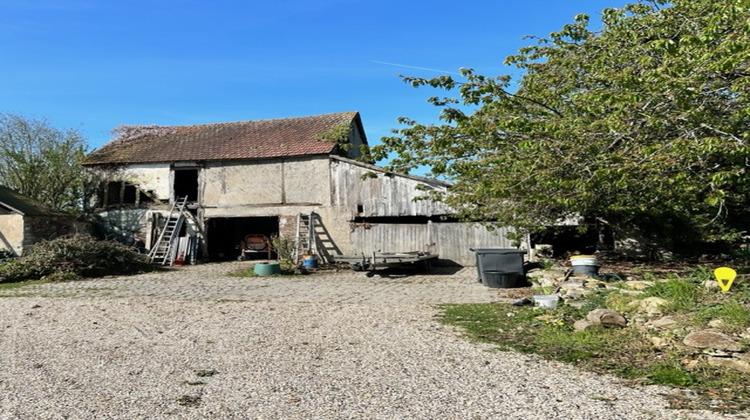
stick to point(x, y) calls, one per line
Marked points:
point(25, 221)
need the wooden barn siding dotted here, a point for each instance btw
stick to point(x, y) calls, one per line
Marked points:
point(451, 241)
point(384, 196)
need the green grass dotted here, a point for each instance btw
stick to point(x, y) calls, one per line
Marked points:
point(672, 374)
point(734, 314)
point(18, 285)
point(683, 294)
point(626, 352)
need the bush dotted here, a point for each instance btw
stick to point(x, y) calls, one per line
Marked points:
point(284, 248)
point(74, 257)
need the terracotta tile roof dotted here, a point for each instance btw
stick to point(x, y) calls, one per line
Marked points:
point(257, 139)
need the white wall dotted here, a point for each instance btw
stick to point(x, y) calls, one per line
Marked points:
point(11, 233)
point(292, 181)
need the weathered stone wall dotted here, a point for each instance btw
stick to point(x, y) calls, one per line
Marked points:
point(11, 233)
point(44, 228)
point(303, 181)
point(18, 233)
point(154, 178)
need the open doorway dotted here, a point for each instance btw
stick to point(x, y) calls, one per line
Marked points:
point(186, 184)
point(224, 235)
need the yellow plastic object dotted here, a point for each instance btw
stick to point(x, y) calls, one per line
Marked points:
point(725, 276)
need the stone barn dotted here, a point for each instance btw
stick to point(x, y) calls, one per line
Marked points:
point(271, 178)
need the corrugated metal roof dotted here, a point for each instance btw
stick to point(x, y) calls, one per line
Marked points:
point(256, 139)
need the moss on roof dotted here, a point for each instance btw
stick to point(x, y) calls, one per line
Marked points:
point(24, 204)
point(257, 139)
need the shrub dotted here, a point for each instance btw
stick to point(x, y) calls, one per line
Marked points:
point(73, 257)
point(284, 248)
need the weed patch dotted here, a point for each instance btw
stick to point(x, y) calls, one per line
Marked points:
point(627, 352)
point(683, 294)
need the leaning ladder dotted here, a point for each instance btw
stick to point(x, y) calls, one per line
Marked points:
point(304, 241)
point(162, 253)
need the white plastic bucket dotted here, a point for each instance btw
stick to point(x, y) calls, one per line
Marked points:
point(583, 260)
point(585, 264)
point(546, 301)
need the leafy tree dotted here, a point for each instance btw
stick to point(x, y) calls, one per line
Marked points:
point(643, 125)
point(42, 162)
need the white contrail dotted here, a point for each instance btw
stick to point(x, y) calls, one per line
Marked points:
point(413, 67)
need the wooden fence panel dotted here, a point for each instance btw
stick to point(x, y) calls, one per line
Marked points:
point(451, 241)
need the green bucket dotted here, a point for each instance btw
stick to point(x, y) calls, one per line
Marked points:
point(267, 269)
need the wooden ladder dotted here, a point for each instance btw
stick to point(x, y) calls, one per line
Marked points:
point(163, 252)
point(312, 238)
point(324, 245)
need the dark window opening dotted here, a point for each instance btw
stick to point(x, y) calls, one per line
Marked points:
point(115, 193)
point(145, 198)
point(186, 184)
point(129, 194)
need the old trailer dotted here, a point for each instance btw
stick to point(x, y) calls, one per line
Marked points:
point(373, 261)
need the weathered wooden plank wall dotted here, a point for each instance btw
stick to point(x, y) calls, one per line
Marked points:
point(451, 241)
point(368, 191)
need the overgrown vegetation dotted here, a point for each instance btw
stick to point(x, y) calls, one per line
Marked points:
point(629, 352)
point(284, 248)
point(338, 134)
point(641, 125)
point(43, 162)
point(73, 258)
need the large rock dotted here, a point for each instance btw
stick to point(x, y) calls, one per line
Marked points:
point(639, 284)
point(659, 342)
point(664, 322)
point(652, 306)
point(712, 339)
point(582, 325)
point(711, 285)
point(606, 318)
point(734, 364)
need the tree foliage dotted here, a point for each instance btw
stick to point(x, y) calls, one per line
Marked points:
point(42, 162)
point(642, 124)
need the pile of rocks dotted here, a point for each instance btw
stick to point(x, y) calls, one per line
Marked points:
point(711, 345)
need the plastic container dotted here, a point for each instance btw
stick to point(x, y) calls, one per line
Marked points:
point(267, 269)
point(501, 279)
point(546, 301)
point(309, 261)
point(508, 261)
point(585, 264)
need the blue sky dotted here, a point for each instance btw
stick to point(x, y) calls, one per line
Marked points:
point(92, 65)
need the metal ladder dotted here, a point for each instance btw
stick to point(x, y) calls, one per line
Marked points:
point(313, 239)
point(304, 240)
point(162, 253)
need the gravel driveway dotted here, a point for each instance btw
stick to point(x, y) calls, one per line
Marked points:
point(193, 343)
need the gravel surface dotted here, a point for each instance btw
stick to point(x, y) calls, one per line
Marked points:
point(193, 343)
